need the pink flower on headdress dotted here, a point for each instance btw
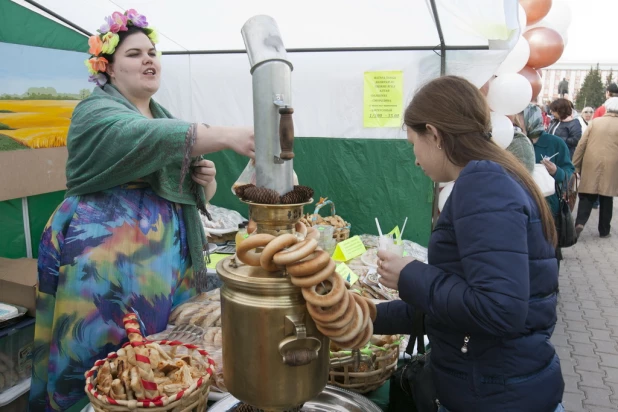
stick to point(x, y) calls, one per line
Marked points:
point(114, 23)
point(95, 44)
point(138, 20)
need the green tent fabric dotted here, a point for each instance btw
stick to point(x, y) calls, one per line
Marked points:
point(365, 178)
point(22, 26)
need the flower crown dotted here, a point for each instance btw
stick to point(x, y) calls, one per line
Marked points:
point(106, 41)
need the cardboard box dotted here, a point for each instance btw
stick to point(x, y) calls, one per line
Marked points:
point(32, 172)
point(18, 282)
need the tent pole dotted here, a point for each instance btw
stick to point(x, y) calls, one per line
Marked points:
point(26, 219)
point(436, 186)
point(59, 17)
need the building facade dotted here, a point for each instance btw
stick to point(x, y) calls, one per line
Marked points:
point(575, 75)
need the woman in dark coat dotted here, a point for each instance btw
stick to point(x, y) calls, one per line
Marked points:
point(489, 290)
point(564, 124)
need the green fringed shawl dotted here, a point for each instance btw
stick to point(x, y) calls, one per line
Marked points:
point(111, 143)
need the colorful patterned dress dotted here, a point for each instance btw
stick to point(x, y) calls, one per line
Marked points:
point(100, 256)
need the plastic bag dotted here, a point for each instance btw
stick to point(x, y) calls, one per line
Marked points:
point(544, 180)
point(246, 177)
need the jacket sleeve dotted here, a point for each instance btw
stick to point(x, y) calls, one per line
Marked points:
point(578, 156)
point(490, 223)
point(574, 134)
point(394, 317)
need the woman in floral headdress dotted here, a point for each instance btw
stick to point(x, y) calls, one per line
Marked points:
point(128, 236)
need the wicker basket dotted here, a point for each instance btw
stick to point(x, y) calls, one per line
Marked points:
point(340, 233)
point(384, 359)
point(192, 399)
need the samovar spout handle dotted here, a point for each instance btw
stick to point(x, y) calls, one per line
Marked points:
point(298, 349)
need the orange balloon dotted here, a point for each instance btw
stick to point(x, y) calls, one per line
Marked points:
point(534, 79)
point(546, 46)
point(535, 10)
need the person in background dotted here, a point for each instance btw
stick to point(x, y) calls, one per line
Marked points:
point(489, 289)
point(587, 114)
point(549, 150)
point(564, 124)
point(521, 147)
point(596, 158)
point(611, 91)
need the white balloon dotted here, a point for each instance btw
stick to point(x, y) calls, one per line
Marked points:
point(523, 20)
point(558, 18)
point(444, 194)
point(509, 93)
point(501, 130)
point(516, 59)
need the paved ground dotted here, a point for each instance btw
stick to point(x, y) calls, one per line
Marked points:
point(586, 336)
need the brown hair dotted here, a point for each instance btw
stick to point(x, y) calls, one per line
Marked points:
point(562, 107)
point(458, 110)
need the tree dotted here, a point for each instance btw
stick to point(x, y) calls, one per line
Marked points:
point(83, 93)
point(610, 78)
point(592, 92)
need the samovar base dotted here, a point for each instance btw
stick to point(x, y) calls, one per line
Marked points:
point(331, 398)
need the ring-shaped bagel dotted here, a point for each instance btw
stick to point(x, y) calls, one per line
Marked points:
point(330, 314)
point(245, 251)
point(316, 279)
point(301, 229)
point(309, 266)
point(330, 298)
point(373, 311)
point(312, 233)
point(330, 332)
point(297, 252)
point(342, 321)
point(274, 246)
point(360, 340)
point(354, 328)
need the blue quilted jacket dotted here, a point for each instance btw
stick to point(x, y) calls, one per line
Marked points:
point(492, 278)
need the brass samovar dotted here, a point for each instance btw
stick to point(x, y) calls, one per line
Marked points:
point(274, 358)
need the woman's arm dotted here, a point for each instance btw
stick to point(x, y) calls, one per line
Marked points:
point(490, 224)
point(574, 133)
point(210, 190)
point(210, 139)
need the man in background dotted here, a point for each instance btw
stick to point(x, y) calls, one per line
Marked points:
point(611, 91)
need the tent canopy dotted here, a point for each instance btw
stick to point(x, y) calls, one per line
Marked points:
point(214, 25)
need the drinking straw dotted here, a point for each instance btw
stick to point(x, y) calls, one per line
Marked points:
point(378, 225)
point(403, 228)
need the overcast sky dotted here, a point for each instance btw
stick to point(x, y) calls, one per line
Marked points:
point(593, 32)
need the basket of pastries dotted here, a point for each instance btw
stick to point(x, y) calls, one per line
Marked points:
point(153, 376)
point(204, 310)
point(367, 369)
point(341, 227)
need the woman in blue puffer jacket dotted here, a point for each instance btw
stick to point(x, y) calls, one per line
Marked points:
point(489, 290)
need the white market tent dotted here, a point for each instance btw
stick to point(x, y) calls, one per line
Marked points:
point(330, 43)
point(367, 172)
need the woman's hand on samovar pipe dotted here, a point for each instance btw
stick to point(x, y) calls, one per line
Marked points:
point(389, 268)
point(204, 172)
point(242, 141)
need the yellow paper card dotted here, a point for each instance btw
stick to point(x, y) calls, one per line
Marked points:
point(215, 258)
point(396, 234)
point(349, 249)
point(347, 273)
point(383, 99)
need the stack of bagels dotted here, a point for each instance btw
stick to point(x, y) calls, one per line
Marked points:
point(342, 315)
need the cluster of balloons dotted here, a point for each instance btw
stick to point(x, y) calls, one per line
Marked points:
point(517, 82)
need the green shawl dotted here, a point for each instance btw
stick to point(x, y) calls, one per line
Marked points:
point(111, 143)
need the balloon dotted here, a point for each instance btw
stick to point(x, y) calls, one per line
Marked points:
point(559, 18)
point(509, 94)
point(444, 194)
point(540, 72)
point(485, 88)
point(535, 9)
point(516, 59)
point(501, 130)
point(546, 46)
point(534, 79)
point(523, 20)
